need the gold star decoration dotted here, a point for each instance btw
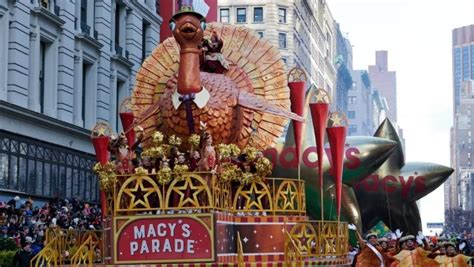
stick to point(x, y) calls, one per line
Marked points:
point(306, 234)
point(196, 189)
point(337, 119)
point(288, 196)
point(139, 194)
point(253, 196)
point(126, 105)
point(322, 96)
point(100, 129)
point(296, 75)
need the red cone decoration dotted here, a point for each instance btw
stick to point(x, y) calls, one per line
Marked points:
point(297, 84)
point(100, 141)
point(100, 146)
point(127, 124)
point(319, 114)
point(337, 140)
point(297, 92)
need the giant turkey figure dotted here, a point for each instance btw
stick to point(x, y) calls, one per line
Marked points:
point(247, 105)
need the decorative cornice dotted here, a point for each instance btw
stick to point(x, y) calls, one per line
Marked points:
point(24, 114)
point(45, 13)
point(3, 10)
point(147, 12)
point(87, 39)
point(122, 60)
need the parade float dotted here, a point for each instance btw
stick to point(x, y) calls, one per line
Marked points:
point(228, 159)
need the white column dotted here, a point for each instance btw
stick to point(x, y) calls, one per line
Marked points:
point(91, 97)
point(34, 67)
point(123, 28)
point(51, 80)
point(77, 107)
point(4, 51)
point(90, 15)
point(113, 99)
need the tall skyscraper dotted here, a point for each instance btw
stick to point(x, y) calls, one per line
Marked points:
point(360, 105)
point(385, 82)
point(65, 65)
point(463, 60)
point(459, 188)
point(344, 69)
point(304, 31)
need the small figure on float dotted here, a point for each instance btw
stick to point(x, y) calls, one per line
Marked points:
point(124, 154)
point(194, 159)
point(213, 60)
point(208, 160)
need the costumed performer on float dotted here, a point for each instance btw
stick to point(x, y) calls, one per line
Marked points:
point(413, 255)
point(371, 253)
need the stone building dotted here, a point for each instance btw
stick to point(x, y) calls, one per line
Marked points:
point(65, 65)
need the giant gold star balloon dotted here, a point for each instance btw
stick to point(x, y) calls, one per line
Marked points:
point(390, 193)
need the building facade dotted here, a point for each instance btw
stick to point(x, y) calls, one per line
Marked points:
point(380, 108)
point(459, 188)
point(344, 69)
point(303, 30)
point(360, 105)
point(67, 65)
point(386, 82)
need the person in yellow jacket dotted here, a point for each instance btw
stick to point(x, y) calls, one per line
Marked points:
point(441, 253)
point(453, 259)
point(411, 255)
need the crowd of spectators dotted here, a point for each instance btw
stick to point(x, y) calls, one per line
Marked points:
point(24, 222)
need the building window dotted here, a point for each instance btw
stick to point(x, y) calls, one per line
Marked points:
point(224, 15)
point(282, 40)
point(119, 28)
point(241, 15)
point(121, 95)
point(261, 33)
point(34, 167)
point(465, 63)
point(352, 100)
point(86, 72)
point(85, 28)
point(84, 11)
point(282, 15)
point(354, 86)
point(285, 60)
point(42, 70)
point(145, 34)
point(351, 114)
point(258, 14)
point(352, 129)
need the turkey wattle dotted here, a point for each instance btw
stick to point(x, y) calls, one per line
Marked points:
point(247, 105)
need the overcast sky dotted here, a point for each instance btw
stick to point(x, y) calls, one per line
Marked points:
point(417, 35)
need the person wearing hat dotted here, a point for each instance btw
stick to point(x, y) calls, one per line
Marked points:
point(452, 258)
point(23, 256)
point(387, 249)
point(411, 254)
point(371, 253)
point(440, 253)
